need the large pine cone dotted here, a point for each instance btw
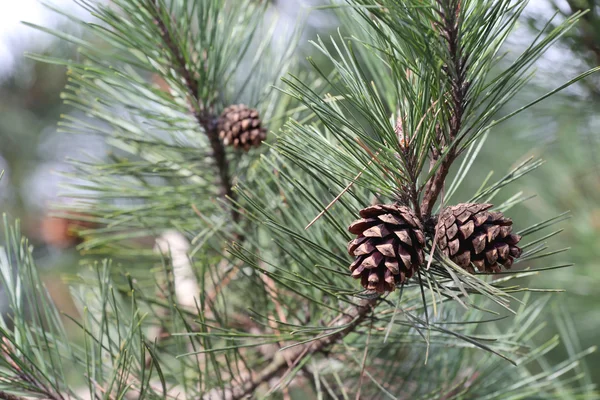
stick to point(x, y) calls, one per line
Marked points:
point(389, 246)
point(240, 126)
point(471, 235)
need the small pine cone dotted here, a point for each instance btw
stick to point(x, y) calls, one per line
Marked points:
point(472, 236)
point(240, 127)
point(388, 247)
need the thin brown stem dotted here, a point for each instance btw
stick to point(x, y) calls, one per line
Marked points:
point(414, 196)
point(342, 192)
point(352, 318)
point(205, 119)
point(455, 72)
point(364, 363)
point(8, 396)
point(435, 184)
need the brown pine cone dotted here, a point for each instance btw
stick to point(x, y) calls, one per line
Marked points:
point(388, 248)
point(473, 236)
point(240, 126)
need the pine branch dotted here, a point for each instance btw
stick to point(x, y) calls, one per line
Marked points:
point(412, 168)
point(456, 72)
point(304, 273)
point(352, 318)
point(436, 183)
point(588, 34)
point(8, 396)
point(205, 118)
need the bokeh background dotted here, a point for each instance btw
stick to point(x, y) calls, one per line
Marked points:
point(564, 130)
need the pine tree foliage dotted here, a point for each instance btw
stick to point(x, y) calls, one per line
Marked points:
point(166, 138)
point(261, 243)
point(582, 41)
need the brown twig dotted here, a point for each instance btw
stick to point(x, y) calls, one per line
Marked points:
point(271, 289)
point(353, 317)
point(8, 352)
point(8, 396)
point(211, 296)
point(456, 73)
point(364, 363)
point(408, 157)
point(205, 119)
point(342, 192)
point(435, 184)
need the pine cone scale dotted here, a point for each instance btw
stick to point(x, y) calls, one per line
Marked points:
point(404, 236)
point(364, 249)
point(379, 231)
point(358, 226)
point(464, 259)
point(503, 250)
point(513, 239)
point(492, 232)
point(420, 237)
point(392, 265)
point(405, 256)
point(515, 252)
point(354, 243)
point(373, 260)
point(387, 248)
point(467, 230)
point(453, 246)
point(442, 241)
point(479, 219)
point(452, 231)
point(449, 221)
point(463, 217)
point(391, 219)
point(479, 242)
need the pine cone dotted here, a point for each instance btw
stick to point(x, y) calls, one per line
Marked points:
point(389, 246)
point(469, 234)
point(240, 126)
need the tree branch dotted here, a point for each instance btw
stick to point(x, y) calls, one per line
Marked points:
point(456, 74)
point(435, 184)
point(408, 157)
point(352, 318)
point(589, 38)
point(205, 118)
point(8, 396)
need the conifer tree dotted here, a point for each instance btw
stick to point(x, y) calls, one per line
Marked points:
point(302, 238)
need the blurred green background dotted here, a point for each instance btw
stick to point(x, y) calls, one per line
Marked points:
point(564, 130)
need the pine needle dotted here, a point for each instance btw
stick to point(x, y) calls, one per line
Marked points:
point(342, 192)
